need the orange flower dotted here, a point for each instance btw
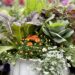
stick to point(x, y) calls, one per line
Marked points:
point(29, 44)
point(37, 40)
point(29, 37)
point(34, 38)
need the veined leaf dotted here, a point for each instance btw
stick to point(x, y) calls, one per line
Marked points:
point(45, 31)
point(17, 32)
point(50, 18)
point(69, 34)
point(27, 29)
point(59, 23)
point(56, 24)
point(5, 48)
point(4, 37)
point(66, 33)
point(57, 38)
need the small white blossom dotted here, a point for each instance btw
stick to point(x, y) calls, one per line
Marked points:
point(54, 47)
point(69, 65)
point(68, 57)
point(44, 49)
point(59, 56)
point(52, 68)
point(46, 73)
point(50, 48)
point(53, 62)
point(71, 46)
point(72, 60)
point(62, 50)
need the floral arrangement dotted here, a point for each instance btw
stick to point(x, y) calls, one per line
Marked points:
point(32, 32)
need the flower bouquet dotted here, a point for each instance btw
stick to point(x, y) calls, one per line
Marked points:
point(32, 32)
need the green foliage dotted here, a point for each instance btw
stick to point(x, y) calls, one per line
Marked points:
point(27, 29)
point(16, 32)
point(58, 31)
point(34, 5)
point(53, 25)
point(70, 52)
point(20, 31)
point(5, 48)
point(8, 40)
point(18, 12)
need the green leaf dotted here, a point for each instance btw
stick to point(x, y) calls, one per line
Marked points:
point(57, 38)
point(45, 31)
point(69, 34)
point(66, 33)
point(27, 29)
point(17, 34)
point(4, 38)
point(59, 23)
point(50, 18)
point(56, 24)
point(5, 48)
point(34, 5)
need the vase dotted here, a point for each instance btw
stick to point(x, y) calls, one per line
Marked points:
point(25, 67)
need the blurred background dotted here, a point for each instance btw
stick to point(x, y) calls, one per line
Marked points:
point(11, 2)
point(22, 2)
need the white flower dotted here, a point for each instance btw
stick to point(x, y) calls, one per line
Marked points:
point(52, 68)
point(68, 57)
point(54, 47)
point(71, 46)
point(46, 73)
point(44, 49)
point(69, 65)
point(62, 50)
point(50, 48)
point(60, 56)
point(53, 62)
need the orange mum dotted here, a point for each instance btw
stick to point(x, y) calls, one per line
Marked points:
point(29, 44)
point(33, 38)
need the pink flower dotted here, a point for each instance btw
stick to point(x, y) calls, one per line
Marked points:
point(49, 1)
point(8, 2)
point(21, 2)
point(64, 2)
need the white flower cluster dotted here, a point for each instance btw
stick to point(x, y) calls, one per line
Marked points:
point(54, 64)
point(57, 54)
